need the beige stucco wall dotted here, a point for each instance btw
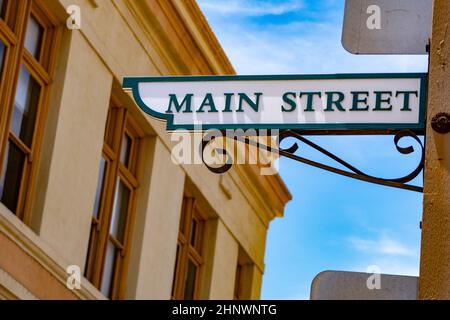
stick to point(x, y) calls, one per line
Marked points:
point(434, 280)
point(73, 152)
point(223, 264)
point(156, 227)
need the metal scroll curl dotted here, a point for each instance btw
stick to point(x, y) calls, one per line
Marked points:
point(208, 138)
point(352, 172)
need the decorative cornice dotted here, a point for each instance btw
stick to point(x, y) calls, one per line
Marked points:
point(204, 36)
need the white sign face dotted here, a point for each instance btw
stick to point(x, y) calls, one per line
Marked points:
point(371, 102)
point(387, 26)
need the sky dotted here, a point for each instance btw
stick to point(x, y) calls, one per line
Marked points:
point(333, 222)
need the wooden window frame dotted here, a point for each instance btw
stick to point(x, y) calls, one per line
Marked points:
point(186, 251)
point(243, 277)
point(119, 123)
point(12, 33)
point(238, 282)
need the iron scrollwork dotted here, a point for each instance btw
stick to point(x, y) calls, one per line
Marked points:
point(352, 172)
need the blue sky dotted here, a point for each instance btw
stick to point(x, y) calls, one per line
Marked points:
point(333, 223)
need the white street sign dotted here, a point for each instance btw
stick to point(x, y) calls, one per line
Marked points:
point(387, 26)
point(371, 102)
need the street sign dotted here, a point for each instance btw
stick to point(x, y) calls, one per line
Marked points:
point(365, 103)
point(344, 285)
point(387, 26)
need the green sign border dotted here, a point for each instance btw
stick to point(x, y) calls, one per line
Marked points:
point(132, 83)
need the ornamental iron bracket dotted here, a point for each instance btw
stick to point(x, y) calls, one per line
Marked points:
point(352, 172)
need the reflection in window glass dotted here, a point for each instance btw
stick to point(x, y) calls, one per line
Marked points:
point(108, 270)
point(2, 8)
point(191, 275)
point(2, 54)
point(25, 107)
point(193, 232)
point(11, 177)
point(98, 192)
point(125, 150)
point(33, 37)
point(176, 268)
point(119, 213)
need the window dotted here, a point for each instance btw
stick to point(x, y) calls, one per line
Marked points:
point(189, 260)
point(238, 282)
point(243, 278)
point(113, 209)
point(28, 42)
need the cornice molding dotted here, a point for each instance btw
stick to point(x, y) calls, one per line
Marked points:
point(182, 36)
point(206, 39)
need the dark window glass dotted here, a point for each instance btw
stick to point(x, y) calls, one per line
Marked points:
point(92, 251)
point(175, 271)
point(98, 192)
point(2, 8)
point(183, 217)
point(119, 213)
point(25, 107)
point(194, 226)
point(125, 150)
point(33, 37)
point(237, 282)
point(11, 176)
point(191, 275)
point(109, 269)
point(112, 126)
point(2, 54)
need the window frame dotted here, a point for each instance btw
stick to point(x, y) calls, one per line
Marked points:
point(186, 251)
point(243, 277)
point(13, 30)
point(119, 123)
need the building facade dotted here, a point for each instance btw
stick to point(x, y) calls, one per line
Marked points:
point(88, 186)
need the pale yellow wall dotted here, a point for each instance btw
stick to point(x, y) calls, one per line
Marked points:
point(156, 228)
point(220, 283)
point(75, 154)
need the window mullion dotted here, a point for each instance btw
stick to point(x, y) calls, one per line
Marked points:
point(7, 35)
point(23, 186)
point(182, 270)
point(22, 146)
point(105, 216)
point(112, 181)
point(36, 69)
point(11, 69)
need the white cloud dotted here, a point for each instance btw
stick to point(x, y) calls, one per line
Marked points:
point(390, 255)
point(293, 46)
point(249, 7)
point(304, 48)
point(391, 265)
point(383, 245)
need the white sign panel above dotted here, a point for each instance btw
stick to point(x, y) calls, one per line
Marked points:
point(347, 102)
point(387, 26)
